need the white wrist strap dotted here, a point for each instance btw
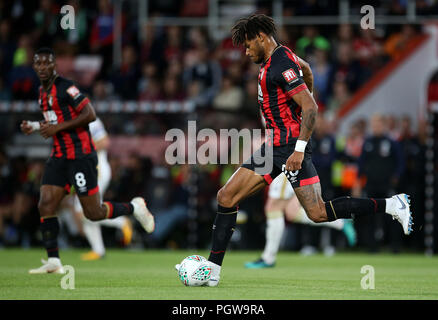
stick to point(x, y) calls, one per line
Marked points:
point(300, 146)
point(35, 125)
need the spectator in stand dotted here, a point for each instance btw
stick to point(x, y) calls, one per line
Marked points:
point(250, 105)
point(174, 69)
point(252, 72)
point(103, 91)
point(173, 44)
point(354, 140)
point(130, 178)
point(46, 22)
point(19, 197)
point(226, 53)
point(310, 41)
point(151, 47)
point(321, 69)
point(126, 78)
point(230, 96)
point(172, 89)
point(344, 34)
point(22, 80)
point(368, 49)
point(198, 38)
point(153, 91)
point(315, 8)
point(234, 72)
point(285, 38)
point(392, 123)
point(5, 94)
point(396, 7)
point(412, 181)
point(341, 95)
point(397, 43)
point(6, 191)
point(324, 153)
point(381, 165)
point(78, 36)
point(347, 167)
point(148, 72)
point(197, 41)
point(24, 210)
point(194, 8)
point(175, 212)
point(102, 33)
point(346, 68)
point(7, 49)
point(207, 74)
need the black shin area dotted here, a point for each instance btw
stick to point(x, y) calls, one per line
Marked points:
point(223, 229)
point(346, 207)
point(50, 230)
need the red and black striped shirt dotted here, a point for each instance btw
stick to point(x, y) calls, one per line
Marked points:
point(279, 79)
point(63, 102)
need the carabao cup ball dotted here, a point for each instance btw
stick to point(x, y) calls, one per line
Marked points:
point(194, 271)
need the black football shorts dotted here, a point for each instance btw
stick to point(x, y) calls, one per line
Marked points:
point(270, 162)
point(80, 173)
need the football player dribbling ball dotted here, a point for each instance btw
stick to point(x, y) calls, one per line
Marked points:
point(285, 84)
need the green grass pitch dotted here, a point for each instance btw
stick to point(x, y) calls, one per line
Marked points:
point(150, 275)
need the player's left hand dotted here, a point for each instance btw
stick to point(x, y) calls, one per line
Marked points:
point(294, 161)
point(48, 130)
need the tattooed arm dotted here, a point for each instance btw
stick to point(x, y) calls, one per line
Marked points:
point(309, 111)
point(307, 73)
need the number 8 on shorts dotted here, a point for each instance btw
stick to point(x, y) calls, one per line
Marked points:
point(80, 179)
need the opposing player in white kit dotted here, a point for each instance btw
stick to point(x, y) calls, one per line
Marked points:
point(281, 200)
point(92, 229)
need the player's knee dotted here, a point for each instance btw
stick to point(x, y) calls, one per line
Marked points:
point(93, 214)
point(46, 206)
point(316, 215)
point(224, 199)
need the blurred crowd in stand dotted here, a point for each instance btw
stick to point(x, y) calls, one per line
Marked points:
point(175, 63)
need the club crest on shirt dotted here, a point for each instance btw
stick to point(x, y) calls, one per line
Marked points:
point(289, 75)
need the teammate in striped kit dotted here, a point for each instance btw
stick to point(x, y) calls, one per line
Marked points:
point(73, 161)
point(285, 85)
point(92, 229)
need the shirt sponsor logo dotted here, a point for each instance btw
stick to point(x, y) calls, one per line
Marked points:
point(50, 116)
point(289, 75)
point(73, 92)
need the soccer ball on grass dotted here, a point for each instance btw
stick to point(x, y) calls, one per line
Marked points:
point(194, 271)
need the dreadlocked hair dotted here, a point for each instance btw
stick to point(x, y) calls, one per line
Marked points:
point(250, 27)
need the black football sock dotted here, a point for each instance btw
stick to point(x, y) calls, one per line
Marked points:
point(50, 230)
point(223, 229)
point(117, 209)
point(346, 207)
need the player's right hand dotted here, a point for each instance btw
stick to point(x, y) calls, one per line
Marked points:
point(294, 161)
point(26, 128)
